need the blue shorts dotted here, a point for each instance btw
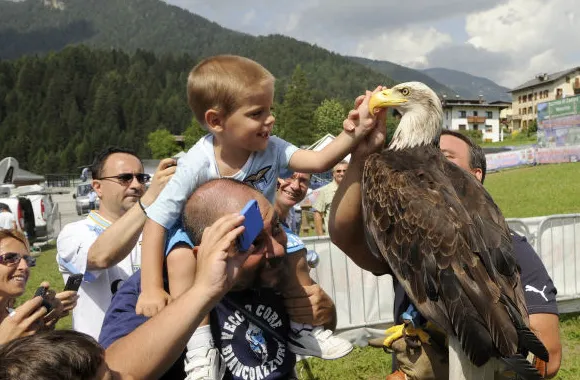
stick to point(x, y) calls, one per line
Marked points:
point(176, 235)
point(294, 243)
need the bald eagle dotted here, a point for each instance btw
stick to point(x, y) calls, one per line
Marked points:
point(443, 236)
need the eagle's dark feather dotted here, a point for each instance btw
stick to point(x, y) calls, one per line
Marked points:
point(449, 246)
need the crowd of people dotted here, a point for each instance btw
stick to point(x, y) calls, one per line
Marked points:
point(168, 293)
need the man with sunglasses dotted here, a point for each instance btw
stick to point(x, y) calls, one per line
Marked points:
point(106, 246)
point(324, 197)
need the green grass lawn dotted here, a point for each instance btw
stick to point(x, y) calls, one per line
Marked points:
point(536, 191)
point(46, 269)
point(520, 139)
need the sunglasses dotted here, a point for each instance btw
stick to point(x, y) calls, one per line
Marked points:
point(13, 258)
point(127, 178)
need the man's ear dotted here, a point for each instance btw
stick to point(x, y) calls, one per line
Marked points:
point(478, 173)
point(214, 120)
point(96, 184)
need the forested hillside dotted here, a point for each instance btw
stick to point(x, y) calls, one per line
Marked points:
point(76, 75)
point(58, 109)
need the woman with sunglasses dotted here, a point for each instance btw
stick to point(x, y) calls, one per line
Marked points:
point(33, 315)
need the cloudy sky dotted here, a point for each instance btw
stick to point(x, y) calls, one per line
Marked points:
point(508, 41)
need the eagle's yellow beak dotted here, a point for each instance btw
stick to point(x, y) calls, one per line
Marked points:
point(384, 99)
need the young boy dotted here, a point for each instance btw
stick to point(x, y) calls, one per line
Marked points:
point(232, 97)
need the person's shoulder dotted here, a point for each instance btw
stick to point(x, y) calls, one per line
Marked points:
point(329, 188)
point(529, 261)
point(198, 150)
point(522, 248)
point(76, 228)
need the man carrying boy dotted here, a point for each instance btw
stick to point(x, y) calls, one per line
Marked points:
point(232, 97)
point(250, 324)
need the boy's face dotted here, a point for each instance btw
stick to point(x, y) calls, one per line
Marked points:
point(250, 126)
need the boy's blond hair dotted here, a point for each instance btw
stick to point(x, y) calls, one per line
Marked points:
point(221, 82)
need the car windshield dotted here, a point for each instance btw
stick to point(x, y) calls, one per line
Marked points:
point(83, 190)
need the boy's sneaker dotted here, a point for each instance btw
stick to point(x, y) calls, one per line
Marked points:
point(204, 363)
point(318, 342)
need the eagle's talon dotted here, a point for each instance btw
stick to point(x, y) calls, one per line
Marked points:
point(419, 333)
point(392, 334)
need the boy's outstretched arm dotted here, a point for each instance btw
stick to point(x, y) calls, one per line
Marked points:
point(309, 161)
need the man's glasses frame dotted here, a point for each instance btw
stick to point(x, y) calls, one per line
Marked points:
point(126, 178)
point(13, 258)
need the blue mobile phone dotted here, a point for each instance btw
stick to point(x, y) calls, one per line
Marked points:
point(253, 225)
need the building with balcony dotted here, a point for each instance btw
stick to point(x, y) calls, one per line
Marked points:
point(541, 89)
point(474, 115)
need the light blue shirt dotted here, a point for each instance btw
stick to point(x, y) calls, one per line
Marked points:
point(199, 166)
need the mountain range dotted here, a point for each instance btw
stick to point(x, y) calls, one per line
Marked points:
point(39, 26)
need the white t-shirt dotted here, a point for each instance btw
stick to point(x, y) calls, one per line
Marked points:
point(199, 166)
point(6, 220)
point(98, 286)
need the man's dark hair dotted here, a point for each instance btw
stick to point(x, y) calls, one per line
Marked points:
point(476, 153)
point(99, 161)
point(53, 355)
point(4, 207)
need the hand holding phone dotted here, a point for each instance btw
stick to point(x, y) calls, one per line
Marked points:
point(43, 292)
point(253, 225)
point(74, 282)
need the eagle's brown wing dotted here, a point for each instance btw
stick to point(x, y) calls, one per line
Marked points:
point(427, 236)
point(499, 257)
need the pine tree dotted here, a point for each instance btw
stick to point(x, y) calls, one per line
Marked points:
point(295, 115)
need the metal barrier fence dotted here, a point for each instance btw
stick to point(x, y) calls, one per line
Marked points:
point(520, 227)
point(361, 298)
point(365, 300)
point(558, 244)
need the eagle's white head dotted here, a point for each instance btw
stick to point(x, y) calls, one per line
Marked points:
point(421, 110)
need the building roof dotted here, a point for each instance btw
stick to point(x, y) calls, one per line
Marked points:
point(544, 79)
point(472, 103)
point(22, 176)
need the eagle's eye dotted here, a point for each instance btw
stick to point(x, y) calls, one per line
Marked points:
point(405, 91)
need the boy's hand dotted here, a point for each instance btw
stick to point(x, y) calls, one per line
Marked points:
point(309, 304)
point(360, 121)
point(152, 302)
point(375, 139)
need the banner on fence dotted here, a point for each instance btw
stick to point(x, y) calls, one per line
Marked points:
point(532, 156)
point(559, 122)
point(510, 159)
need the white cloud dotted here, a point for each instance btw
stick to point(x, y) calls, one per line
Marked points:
point(508, 41)
point(408, 46)
point(537, 35)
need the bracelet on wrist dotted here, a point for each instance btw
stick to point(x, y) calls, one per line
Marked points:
point(143, 207)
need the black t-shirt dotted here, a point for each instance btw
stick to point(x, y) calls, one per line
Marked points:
point(539, 290)
point(249, 351)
